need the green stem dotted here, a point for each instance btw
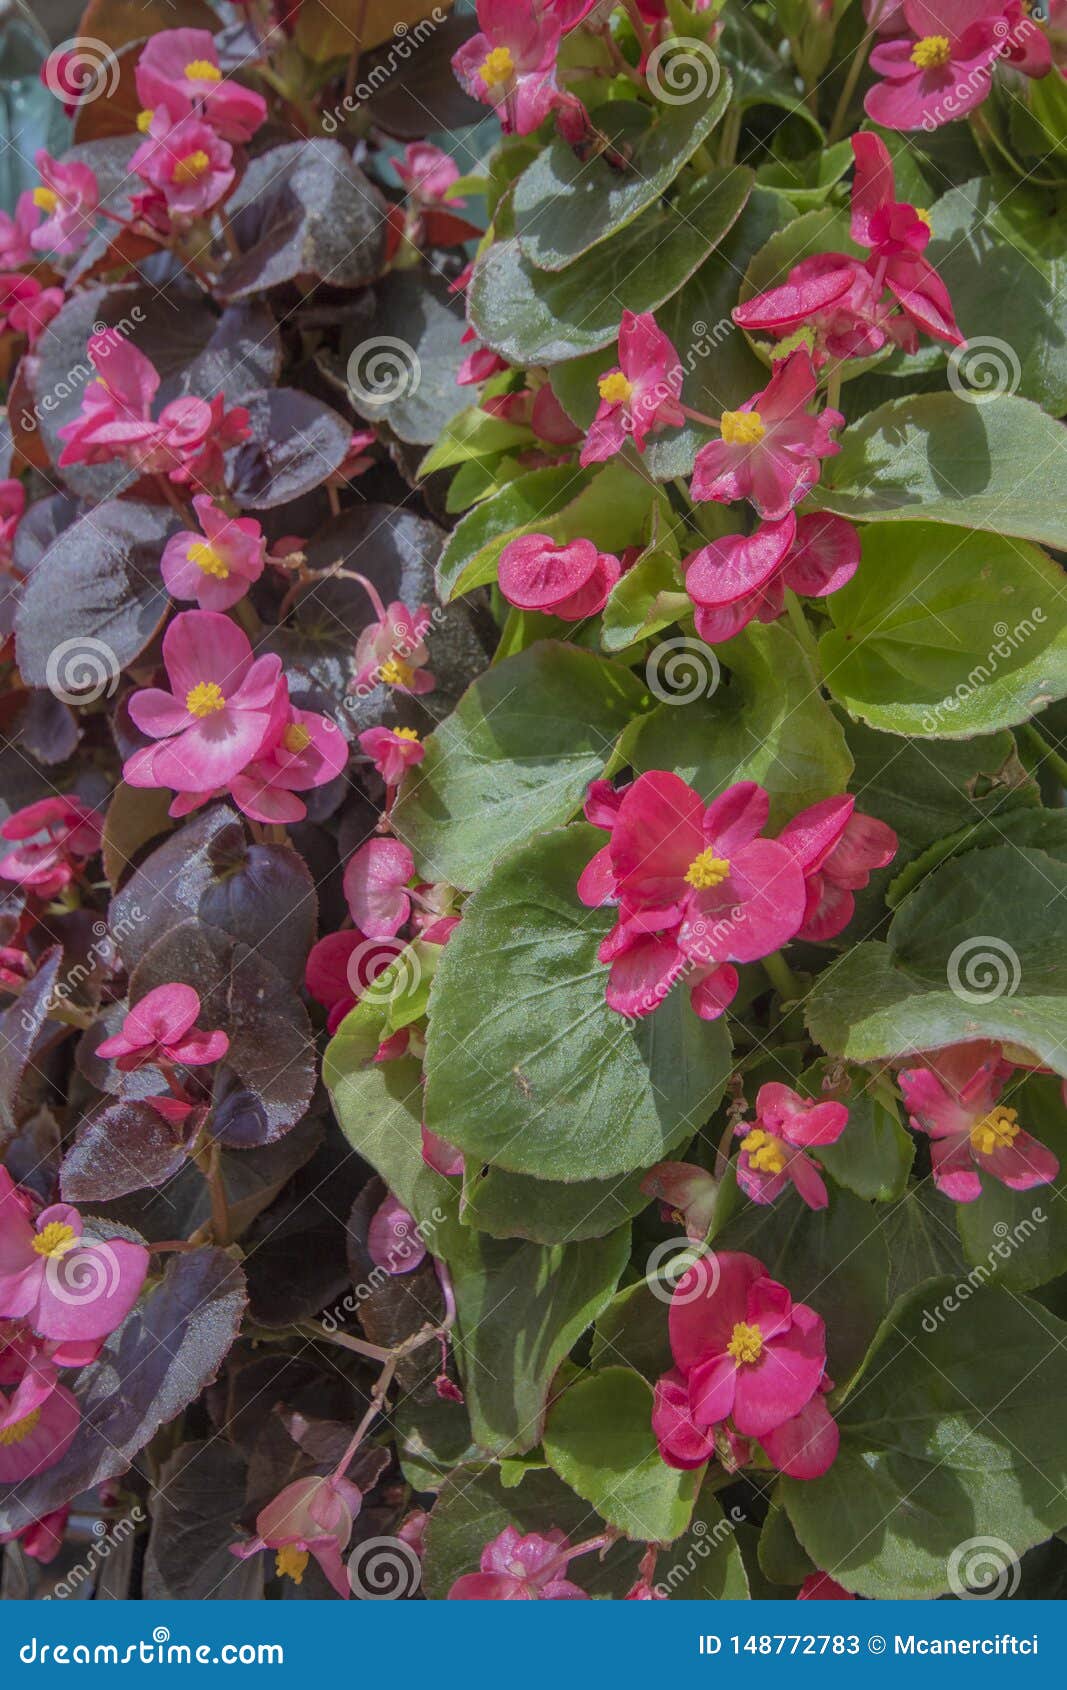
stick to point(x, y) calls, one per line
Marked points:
point(781, 977)
point(1047, 753)
point(801, 628)
point(855, 70)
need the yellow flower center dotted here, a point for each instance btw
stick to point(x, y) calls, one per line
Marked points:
point(202, 70)
point(207, 558)
point(204, 699)
point(767, 1154)
point(998, 1128)
point(192, 166)
point(296, 737)
point(931, 52)
point(923, 216)
point(395, 673)
point(290, 1562)
point(498, 67)
point(615, 388)
point(707, 870)
point(746, 1343)
point(742, 428)
point(407, 733)
point(144, 120)
point(45, 198)
point(20, 1430)
point(55, 1239)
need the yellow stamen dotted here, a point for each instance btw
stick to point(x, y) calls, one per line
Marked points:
point(923, 216)
point(742, 428)
point(46, 199)
point(931, 52)
point(20, 1430)
point(707, 870)
point(204, 699)
point(615, 388)
point(55, 1239)
point(998, 1128)
point(290, 1562)
point(746, 1343)
point(208, 559)
point(296, 737)
point(202, 70)
point(395, 673)
point(407, 733)
point(192, 167)
point(499, 67)
point(144, 120)
point(766, 1153)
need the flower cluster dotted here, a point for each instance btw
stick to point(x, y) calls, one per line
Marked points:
point(955, 1098)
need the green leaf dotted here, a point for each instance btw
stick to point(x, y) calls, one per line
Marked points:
point(768, 725)
point(474, 434)
point(938, 458)
point(1019, 1238)
point(833, 1258)
point(566, 203)
point(648, 597)
point(547, 1294)
point(922, 1242)
point(781, 1558)
point(599, 1440)
point(808, 181)
point(536, 316)
point(515, 756)
point(705, 1565)
point(945, 633)
point(526, 1065)
point(874, 1154)
point(610, 503)
point(547, 1211)
point(632, 1331)
point(976, 952)
point(954, 1431)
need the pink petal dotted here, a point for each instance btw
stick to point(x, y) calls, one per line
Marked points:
point(374, 886)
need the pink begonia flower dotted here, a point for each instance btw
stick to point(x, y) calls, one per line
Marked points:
point(188, 164)
point(511, 63)
point(953, 1098)
point(941, 68)
point(393, 1240)
point(746, 575)
point(897, 236)
point(1025, 46)
point(311, 1517)
point(27, 308)
point(42, 1539)
point(695, 886)
point(16, 248)
point(356, 461)
point(885, 17)
point(820, 1587)
point(412, 1530)
point(161, 1027)
point(178, 73)
point(438, 1154)
point(640, 395)
point(550, 421)
point(391, 650)
point(69, 196)
point(59, 1285)
point(38, 1422)
point(217, 566)
point(310, 750)
point(772, 1153)
point(427, 173)
point(341, 966)
point(376, 881)
point(642, 1591)
point(55, 837)
point(12, 511)
point(392, 751)
point(769, 451)
point(837, 849)
point(115, 422)
point(744, 1352)
point(216, 717)
point(836, 303)
point(687, 1194)
point(479, 365)
point(571, 580)
point(515, 1568)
